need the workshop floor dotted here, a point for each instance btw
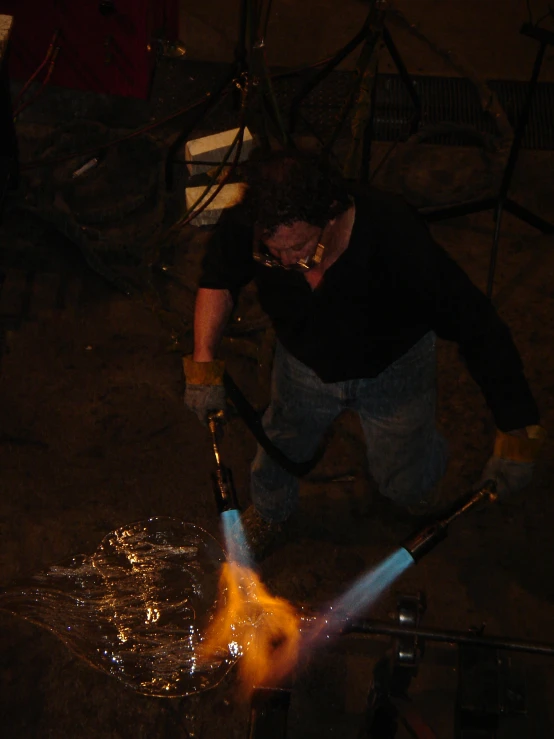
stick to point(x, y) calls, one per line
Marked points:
point(93, 433)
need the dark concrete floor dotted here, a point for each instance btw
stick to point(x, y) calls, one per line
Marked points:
point(93, 434)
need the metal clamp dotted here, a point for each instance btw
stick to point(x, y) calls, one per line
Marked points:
point(409, 649)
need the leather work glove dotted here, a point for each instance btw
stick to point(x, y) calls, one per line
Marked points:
point(513, 461)
point(204, 390)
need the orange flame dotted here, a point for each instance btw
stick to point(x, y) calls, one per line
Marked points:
point(262, 629)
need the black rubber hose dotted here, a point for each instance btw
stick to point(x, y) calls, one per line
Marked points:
point(254, 423)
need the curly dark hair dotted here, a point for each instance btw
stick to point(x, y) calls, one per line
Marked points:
point(287, 186)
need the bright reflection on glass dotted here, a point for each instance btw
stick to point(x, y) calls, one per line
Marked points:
point(137, 607)
point(262, 629)
point(250, 623)
point(158, 607)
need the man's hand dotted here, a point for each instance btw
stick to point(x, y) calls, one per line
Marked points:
point(204, 391)
point(513, 461)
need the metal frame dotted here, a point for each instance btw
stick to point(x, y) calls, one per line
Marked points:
point(367, 35)
point(478, 657)
point(248, 62)
point(503, 202)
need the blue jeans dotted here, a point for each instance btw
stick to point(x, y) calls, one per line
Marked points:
point(406, 453)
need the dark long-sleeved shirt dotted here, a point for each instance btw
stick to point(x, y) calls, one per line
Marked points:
point(391, 285)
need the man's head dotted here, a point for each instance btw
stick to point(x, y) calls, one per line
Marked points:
point(295, 245)
point(290, 197)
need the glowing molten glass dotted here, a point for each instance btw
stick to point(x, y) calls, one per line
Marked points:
point(263, 630)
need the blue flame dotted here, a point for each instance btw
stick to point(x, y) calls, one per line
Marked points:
point(235, 538)
point(362, 594)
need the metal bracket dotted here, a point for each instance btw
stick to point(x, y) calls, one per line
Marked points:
point(409, 649)
point(393, 673)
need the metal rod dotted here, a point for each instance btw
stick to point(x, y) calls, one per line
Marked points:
point(524, 214)
point(213, 424)
point(486, 493)
point(521, 124)
point(222, 479)
point(425, 540)
point(238, 65)
point(511, 164)
point(404, 76)
point(382, 628)
point(265, 22)
point(340, 118)
point(539, 34)
point(327, 69)
point(433, 214)
point(369, 132)
point(211, 100)
point(503, 202)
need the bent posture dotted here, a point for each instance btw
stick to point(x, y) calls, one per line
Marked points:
point(357, 291)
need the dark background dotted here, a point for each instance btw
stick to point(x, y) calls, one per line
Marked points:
point(93, 433)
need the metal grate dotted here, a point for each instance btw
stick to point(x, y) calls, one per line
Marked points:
point(443, 99)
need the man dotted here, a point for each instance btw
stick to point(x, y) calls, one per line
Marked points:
point(357, 291)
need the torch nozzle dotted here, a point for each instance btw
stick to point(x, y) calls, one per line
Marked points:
point(222, 479)
point(427, 539)
point(215, 418)
point(215, 424)
point(224, 490)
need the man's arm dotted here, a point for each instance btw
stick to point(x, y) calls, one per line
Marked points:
point(205, 391)
point(449, 303)
point(458, 311)
point(227, 266)
point(211, 314)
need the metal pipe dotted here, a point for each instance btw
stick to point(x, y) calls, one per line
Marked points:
point(405, 77)
point(427, 539)
point(328, 68)
point(382, 628)
point(222, 478)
